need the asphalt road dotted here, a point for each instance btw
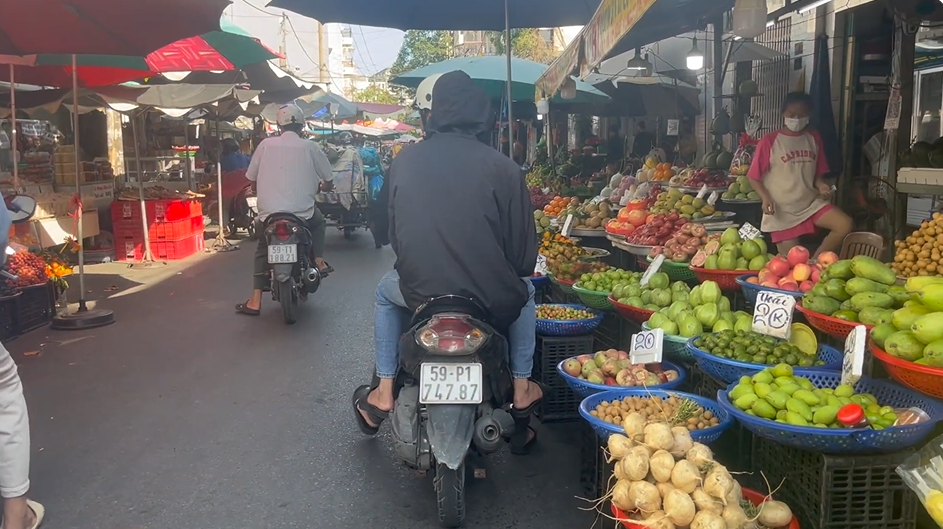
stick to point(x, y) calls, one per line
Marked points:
point(186, 415)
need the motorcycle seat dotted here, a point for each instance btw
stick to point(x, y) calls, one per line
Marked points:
point(451, 303)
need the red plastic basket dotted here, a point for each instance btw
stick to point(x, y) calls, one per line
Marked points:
point(133, 248)
point(159, 231)
point(157, 210)
point(835, 327)
point(726, 279)
point(925, 379)
point(631, 313)
point(752, 496)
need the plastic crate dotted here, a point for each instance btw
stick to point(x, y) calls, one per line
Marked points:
point(836, 492)
point(34, 307)
point(561, 404)
point(8, 326)
point(595, 469)
point(157, 210)
point(132, 249)
point(735, 445)
point(159, 231)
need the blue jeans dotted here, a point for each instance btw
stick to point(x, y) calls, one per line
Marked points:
point(391, 318)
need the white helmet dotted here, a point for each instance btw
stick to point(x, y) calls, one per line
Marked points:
point(424, 92)
point(289, 114)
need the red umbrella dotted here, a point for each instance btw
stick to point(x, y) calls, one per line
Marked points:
point(108, 27)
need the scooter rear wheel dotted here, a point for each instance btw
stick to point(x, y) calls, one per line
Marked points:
point(289, 301)
point(450, 495)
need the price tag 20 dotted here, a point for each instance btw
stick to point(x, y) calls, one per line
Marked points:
point(647, 347)
point(541, 267)
point(652, 269)
point(567, 225)
point(712, 199)
point(772, 314)
point(749, 232)
point(853, 364)
point(703, 192)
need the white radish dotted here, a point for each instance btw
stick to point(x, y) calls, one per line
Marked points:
point(664, 489)
point(635, 464)
point(620, 495)
point(657, 520)
point(685, 476)
point(707, 520)
point(706, 502)
point(700, 455)
point(661, 464)
point(719, 483)
point(644, 496)
point(634, 426)
point(658, 436)
point(774, 514)
point(680, 508)
point(734, 517)
point(682, 441)
point(618, 445)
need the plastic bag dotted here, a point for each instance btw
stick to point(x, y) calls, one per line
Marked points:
point(743, 156)
point(923, 473)
point(374, 186)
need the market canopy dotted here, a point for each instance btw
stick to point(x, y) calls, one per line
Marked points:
point(277, 85)
point(340, 107)
point(620, 26)
point(490, 73)
point(446, 14)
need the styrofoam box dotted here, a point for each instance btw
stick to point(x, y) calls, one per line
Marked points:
point(919, 209)
point(920, 176)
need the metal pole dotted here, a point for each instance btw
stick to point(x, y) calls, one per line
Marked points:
point(16, 170)
point(219, 180)
point(507, 45)
point(137, 161)
point(78, 184)
point(186, 152)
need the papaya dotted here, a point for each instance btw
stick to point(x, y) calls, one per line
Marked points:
point(875, 315)
point(871, 268)
point(918, 283)
point(932, 296)
point(928, 328)
point(903, 344)
point(880, 333)
point(871, 299)
point(899, 294)
point(905, 317)
point(820, 304)
point(840, 270)
point(835, 289)
point(847, 315)
point(860, 285)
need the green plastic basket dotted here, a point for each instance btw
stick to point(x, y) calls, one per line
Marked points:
point(676, 271)
point(674, 347)
point(566, 287)
point(593, 299)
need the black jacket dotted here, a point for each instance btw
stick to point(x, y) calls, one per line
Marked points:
point(461, 219)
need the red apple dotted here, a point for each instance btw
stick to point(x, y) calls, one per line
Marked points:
point(801, 272)
point(779, 266)
point(572, 367)
point(611, 381)
point(585, 358)
point(770, 284)
point(789, 285)
point(798, 255)
point(827, 258)
point(816, 273)
point(806, 286)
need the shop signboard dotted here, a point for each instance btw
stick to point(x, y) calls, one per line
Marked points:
point(612, 21)
point(553, 78)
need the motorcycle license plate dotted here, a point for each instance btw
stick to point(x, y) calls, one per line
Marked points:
point(282, 253)
point(252, 202)
point(450, 384)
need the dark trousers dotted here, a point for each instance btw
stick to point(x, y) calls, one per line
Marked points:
point(260, 276)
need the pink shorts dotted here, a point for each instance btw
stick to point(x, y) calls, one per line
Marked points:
point(805, 227)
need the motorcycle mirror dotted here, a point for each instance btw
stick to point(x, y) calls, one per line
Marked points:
point(21, 208)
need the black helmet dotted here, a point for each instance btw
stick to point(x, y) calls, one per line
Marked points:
point(345, 138)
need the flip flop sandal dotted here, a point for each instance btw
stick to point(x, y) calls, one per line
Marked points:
point(376, 415)
point(38, 510)
point(545, 390)
point(242, 308)
point(328, 270)
point(523, 441)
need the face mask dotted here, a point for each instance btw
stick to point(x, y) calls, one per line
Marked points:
point(796, 124)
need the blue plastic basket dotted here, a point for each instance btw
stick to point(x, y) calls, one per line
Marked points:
point(674, 347)
point(569, 327)
point(604, 429)
point(845, 441)
point(585, 388)
point(727, 370)
point(539, 281)
point(750, 290)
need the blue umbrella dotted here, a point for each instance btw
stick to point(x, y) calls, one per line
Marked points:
point(823, 119)
point(490, 73)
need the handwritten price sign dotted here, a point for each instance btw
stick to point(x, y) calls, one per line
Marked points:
point(772, 314)
point(853, 364)
point(647, 347)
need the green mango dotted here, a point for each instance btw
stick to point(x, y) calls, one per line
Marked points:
point(777, 399)
point(740, 390)
point(825, 415)
point(871, 299)
point(847, 315)
point(797, 406)
point(903, 344)
point(795, 419)
point(929, 328)
point(763, 409)
point(899, 294)
point(819, 289)
point(840, 270)
point(835, 289)
point(820, 304)
point(933, 354)
point(875, 315)
point(745, 402)
point(860, 285)
point(871, 268)
point(880, 333)
point(904, 318)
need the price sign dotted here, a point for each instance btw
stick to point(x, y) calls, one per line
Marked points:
point(853, 364)
point(541, 267)
point(567, 225)
point(674, 125)
point(749, 232)
point(652, 269)
point(596, 200)
point(647, 347)
point(711, 200)
point(703, 192)
point(772, 314)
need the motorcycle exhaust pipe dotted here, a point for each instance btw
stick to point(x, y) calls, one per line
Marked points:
point(491, 430)
point(312, 280)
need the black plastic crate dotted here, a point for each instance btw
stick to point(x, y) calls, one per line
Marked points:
point(8, 326)
point(595, 471)
point(607, 335)
point(838, 492)
point(734, 448)
point(561, 404)
point(34, 307)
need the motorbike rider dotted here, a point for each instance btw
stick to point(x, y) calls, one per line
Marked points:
point(18, 512)
point(461, 222)
point(287, 170)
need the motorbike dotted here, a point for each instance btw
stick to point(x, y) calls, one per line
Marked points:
point(454, 392)
point(243, 211)
point(293, 274)
point(21, 208)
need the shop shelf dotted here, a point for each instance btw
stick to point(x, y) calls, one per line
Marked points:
point(132, 249)
point(34, 307)
point(561, 404)
point(157, 210)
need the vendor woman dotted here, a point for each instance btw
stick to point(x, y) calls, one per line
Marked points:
point(788, 173)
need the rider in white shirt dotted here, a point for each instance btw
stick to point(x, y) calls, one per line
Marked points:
point(287, 171)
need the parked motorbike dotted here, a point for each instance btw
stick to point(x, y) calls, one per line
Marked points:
point(293, 274)
point(454, 392)
point(243, 211)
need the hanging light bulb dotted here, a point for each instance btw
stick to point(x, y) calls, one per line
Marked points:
point(749, 18)
point(695, 57)
point(568, 90)
point(543, 107)
point(637, 62)
point(647, 72)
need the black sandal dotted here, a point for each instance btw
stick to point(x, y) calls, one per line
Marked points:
point(522, 442)
point(243, 308)
point(545, 390)
point(327, 270)
point(376, 415)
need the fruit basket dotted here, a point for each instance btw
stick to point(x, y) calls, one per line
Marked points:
point(539, 280)
point(750, 290)
point(752, 496)
point(584, 388)
point(675, 271)
point(834, 327)
point(604, 429)
point(726, 279)
point(636, 249)
point(727, 370)
point(593, 299)
point(840, 441)
point(565, 286)
point(674, 346)
point(925, 379)
point(594, 253)
point(569, 327)
point(636, 314)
